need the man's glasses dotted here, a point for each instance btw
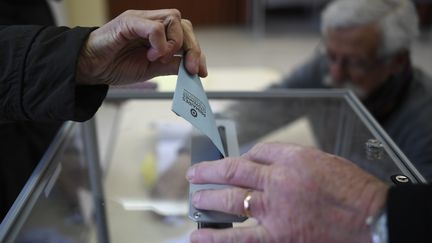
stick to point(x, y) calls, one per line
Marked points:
point(351, 64)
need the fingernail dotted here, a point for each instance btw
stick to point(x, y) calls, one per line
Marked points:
point(190, 173)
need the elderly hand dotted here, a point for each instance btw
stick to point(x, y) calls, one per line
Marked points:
point(139, 45)
point(298, 194)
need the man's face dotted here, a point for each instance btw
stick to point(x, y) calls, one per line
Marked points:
point(353, 59)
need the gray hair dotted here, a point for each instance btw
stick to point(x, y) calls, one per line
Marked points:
point(397, 20)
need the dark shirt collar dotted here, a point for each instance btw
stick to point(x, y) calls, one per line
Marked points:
point(383, 102)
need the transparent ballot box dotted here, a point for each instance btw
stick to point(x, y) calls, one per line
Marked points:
point(57, 204)
point(127, 183)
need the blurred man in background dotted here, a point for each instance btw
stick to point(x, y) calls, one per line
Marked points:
point(366, 48)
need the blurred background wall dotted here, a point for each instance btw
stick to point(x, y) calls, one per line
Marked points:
point(86, 12)
point(275, 34)
point(208, 13)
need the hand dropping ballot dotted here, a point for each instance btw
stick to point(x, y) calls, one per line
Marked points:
point(190, 102)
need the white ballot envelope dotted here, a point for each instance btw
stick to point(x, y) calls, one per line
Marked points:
point(211, 140)
point(190, 102)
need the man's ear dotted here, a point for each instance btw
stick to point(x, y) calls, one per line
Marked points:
point(399, 62)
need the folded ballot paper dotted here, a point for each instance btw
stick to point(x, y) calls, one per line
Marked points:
point(190, 102)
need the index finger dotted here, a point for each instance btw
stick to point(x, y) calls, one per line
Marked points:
point(132, 27)
point(174, 33)
point(171, 18)
point(162, 28)
point(230, 171)
point(273, 153)
point(157, 14)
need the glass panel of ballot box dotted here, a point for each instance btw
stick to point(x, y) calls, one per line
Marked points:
point(120, 177)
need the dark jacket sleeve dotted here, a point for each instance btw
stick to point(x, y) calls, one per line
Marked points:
point(37, 75)
point(409, 214)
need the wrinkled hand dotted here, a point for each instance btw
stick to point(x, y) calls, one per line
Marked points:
point(139, 45)
point(299, 195)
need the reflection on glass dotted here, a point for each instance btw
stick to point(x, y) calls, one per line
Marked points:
point(64, 209)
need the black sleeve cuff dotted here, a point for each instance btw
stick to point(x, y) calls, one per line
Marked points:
point(37, 78)
point(409, 212)
point(49, 89)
